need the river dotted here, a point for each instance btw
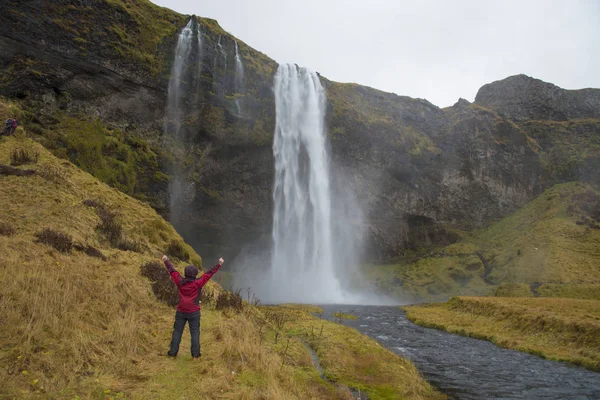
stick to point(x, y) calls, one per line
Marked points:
point(467, 368)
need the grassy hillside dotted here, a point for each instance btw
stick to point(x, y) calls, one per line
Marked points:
point(550, 247)
point(80, 321)
point(558, 329)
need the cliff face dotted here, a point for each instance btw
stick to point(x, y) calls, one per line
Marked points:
point(421, 174)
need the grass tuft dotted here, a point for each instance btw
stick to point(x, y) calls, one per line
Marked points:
point(6, 229)
point(20, 156)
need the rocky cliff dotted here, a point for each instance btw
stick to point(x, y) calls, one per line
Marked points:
point(93, 77)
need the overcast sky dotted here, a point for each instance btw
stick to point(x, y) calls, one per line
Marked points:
point(437, 50)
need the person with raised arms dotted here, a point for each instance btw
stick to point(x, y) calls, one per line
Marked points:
point(188, 310)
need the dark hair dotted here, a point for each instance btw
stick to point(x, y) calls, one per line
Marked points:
point(185, 280)
point(191, 271)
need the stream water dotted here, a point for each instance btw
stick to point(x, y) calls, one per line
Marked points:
point(466, 368)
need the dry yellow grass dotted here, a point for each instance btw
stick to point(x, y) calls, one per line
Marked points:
point(554, 328)
point(75, 326)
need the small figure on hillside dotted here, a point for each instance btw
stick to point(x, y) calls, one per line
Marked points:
point(190, 290)
point(14, 125)
point(8, 126)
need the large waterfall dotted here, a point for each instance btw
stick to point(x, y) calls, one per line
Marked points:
point(302, 268)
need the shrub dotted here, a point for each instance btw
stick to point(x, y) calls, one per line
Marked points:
point(92, 203)
point(153, 270)
point(60, 241)
point(109, 225)
point(176, 250)
point(230, 300)
point(94, 252)
point(22, 156)
point(90, 251)
point(162, 286)
point(207, 295)
point(6, 229)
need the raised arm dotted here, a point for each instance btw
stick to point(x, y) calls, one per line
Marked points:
point(172, 271)
point(208, 274)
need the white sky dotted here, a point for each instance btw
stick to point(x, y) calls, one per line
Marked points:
point(438, 50)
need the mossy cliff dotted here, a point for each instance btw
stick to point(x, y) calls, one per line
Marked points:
point(547, 248)
point(423, 175)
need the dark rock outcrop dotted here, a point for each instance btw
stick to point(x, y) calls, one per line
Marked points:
point(521, 97)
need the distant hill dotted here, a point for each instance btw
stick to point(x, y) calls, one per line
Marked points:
point(549, 247)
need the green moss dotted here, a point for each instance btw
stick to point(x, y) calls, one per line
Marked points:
point(122, 161)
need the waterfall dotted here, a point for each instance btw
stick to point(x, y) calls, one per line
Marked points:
point(239, 70)
point(174, 115)
point(219, 72)
point(182, 102)
point(239, 78)
point(302, 267)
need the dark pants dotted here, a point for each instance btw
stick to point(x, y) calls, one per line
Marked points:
point(194, 321)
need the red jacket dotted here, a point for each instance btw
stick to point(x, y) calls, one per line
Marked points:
point(189, 293)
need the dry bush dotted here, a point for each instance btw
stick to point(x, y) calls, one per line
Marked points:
point(6, 229)
point(177, 250)
point(277, 318)
point(22, 156)
point(90, 251)
point(163, 287)
point(230, 300)
point(153, 270)
point(60, 241)
point(207, 295)
point(92, 203)
point(110, 225)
